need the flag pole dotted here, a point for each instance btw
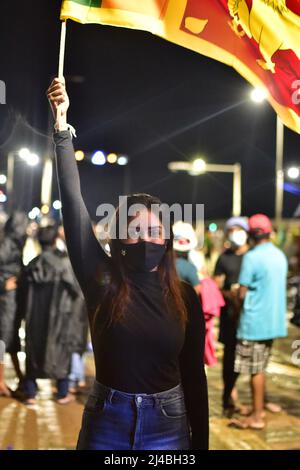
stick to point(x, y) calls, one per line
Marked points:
point(46, 186)
point(62, 49)
point(61, 60)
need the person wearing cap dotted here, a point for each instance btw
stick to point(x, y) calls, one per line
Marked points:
point(226, 275)
point(185, 240)
point(262, 296)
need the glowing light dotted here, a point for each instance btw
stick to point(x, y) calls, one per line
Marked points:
point(123, 160)
point(22, 334)
point(98, 158)
point(21, 356)
point(199, 165)
point(45, 209)
point(293, 173)
point(112, 158)
point(3, 179)
point(57, 205)
point(79, 155)
point(3, 197)
point(34, 213)
point(24, 154)
point(258, 95)
point(213, 227)
point(33, 160)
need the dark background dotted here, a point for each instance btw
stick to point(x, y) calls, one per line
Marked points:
point(136, 94)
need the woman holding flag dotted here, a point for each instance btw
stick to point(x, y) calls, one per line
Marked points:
point(147, 327)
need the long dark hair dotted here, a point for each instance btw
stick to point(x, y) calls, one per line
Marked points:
point(117, 297)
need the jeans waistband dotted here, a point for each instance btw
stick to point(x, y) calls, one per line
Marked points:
point(100, 390)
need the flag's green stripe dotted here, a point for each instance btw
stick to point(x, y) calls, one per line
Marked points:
point(89, 3)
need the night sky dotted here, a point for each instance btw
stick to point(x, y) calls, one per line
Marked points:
point(136, 94)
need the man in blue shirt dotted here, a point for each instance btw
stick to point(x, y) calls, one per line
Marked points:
point(263, 315)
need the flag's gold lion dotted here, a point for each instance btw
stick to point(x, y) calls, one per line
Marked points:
point(273, 26)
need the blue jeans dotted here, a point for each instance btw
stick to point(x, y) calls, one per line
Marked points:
point(30, 387)
point(77, 373)
point(114, 420)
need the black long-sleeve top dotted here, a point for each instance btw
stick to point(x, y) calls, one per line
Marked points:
point(151, 352)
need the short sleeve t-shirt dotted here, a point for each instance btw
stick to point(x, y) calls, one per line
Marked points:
point(187, 271)
point(228, 265)
point(264, 273)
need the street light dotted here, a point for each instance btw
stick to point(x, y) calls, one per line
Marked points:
point(199, 167)
point(293, 172)
point(258, 95)
point(57, 205)
point(79, 155)
point(3, 197)
point(33, 160)
point(122, 160)
point(98, 158)
point(30, 158)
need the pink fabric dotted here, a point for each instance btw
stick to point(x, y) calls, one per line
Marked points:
point(212, 301)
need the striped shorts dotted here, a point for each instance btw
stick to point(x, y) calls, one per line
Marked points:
point(251, 357)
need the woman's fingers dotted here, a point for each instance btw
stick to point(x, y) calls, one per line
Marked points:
point(57, 88)
point(56, 85)
point(57, 93)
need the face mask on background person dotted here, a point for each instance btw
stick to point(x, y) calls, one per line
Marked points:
point(238, 238)
point(142, 256)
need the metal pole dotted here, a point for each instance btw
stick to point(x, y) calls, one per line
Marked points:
point(279, 171)
point(10, 180)
point(237, 191)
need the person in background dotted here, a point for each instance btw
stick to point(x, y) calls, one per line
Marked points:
point(47, 296)
point(262, 296)
point(11, 249)
point(226, 275)
point(79, 327)
point(185, 240)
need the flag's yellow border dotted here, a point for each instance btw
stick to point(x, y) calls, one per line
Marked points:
point(169, 29)
point(114, 17)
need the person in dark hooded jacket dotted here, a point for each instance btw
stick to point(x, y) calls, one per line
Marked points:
point(11, 250)
point(49, 291)
point(79, 332)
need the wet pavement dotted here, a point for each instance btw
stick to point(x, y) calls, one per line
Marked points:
point(53, 426)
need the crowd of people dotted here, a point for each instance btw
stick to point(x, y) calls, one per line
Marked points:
point(251, 273)
point(46, 296)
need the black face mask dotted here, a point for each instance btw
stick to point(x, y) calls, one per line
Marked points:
point(142, 256)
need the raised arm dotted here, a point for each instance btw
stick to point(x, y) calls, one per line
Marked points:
point(86, 255)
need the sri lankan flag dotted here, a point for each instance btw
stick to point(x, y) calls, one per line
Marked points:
point(260, 39)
